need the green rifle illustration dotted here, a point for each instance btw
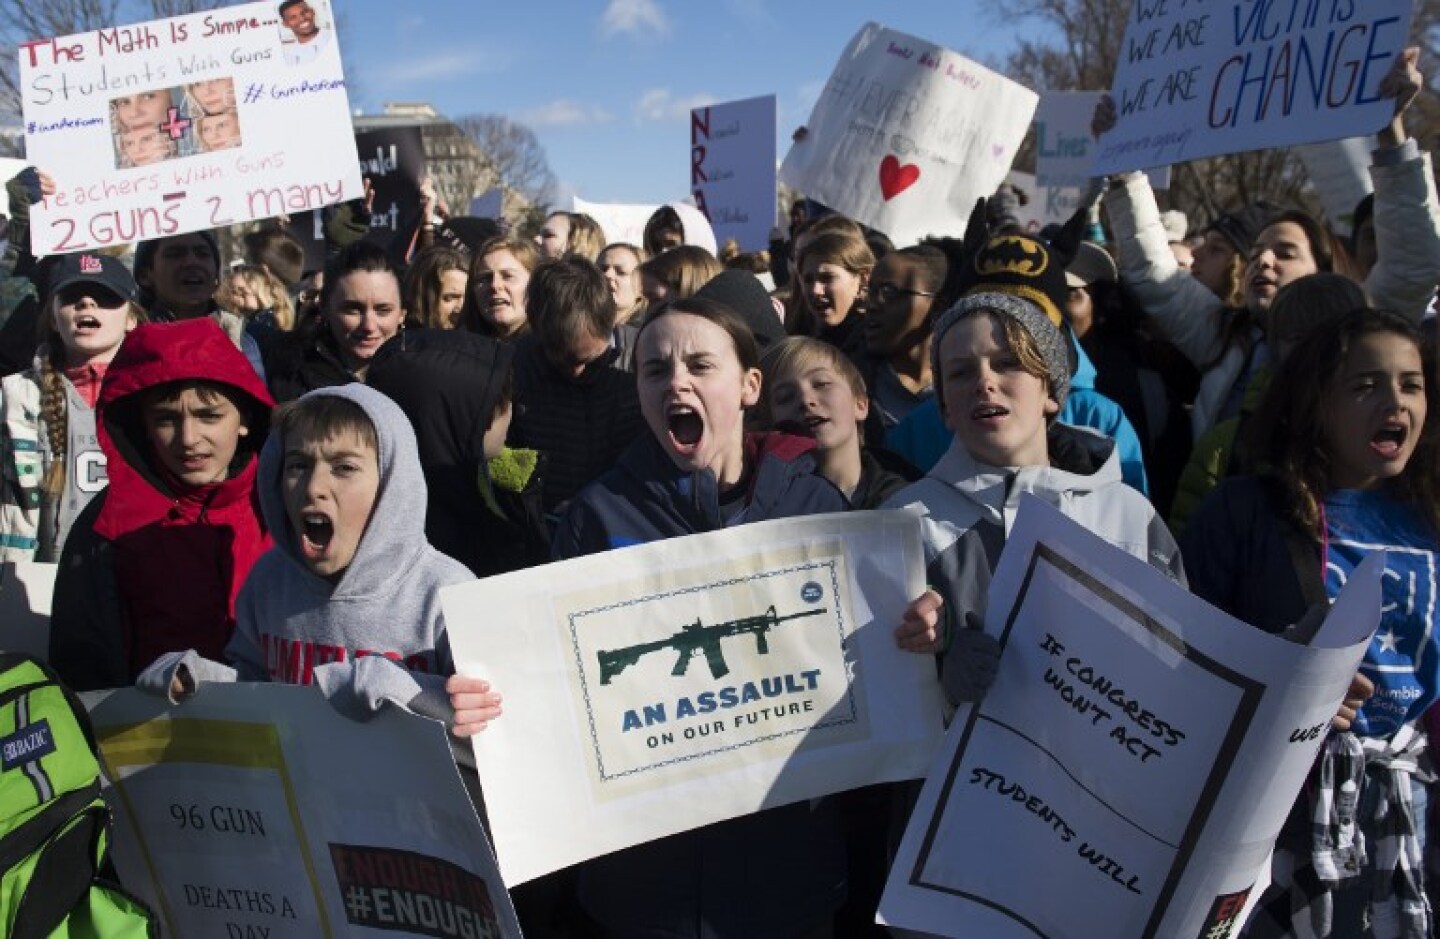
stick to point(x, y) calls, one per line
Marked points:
point(695, 638)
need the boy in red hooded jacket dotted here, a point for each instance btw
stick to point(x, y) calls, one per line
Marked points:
point(155, 562)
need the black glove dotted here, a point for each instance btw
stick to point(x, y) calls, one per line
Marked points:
point(970, 662)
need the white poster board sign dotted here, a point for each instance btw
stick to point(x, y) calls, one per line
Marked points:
point(1064, 146)
point(186, 123)
point(624, 223)
point(907, 135)
point(732, 169)
point(663, 687)
point(26, 590)
point(1201, 78)
point(259, 811)
point(1137, 753)
point(1340, 173)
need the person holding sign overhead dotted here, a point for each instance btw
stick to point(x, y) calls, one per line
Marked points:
point(1228, 345)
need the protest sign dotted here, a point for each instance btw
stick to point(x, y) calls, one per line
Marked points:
point(184, 124)
point(732, 169)
point(668, 686)
point(625, 223)
point(1137, 754)
point(1201, 78)
point(490, 204)
point(26, 589)
point(393, 159)
point(260, 811)
point(907, 135)
point(1340, 175)
point(1064, 146)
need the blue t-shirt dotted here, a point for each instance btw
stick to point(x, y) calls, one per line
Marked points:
point(1402, 658)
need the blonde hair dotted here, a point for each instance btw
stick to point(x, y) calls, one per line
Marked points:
point(586, 236)
point(794, 355)
point(267, 287)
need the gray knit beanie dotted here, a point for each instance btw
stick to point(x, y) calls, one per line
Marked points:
point(1045, 333)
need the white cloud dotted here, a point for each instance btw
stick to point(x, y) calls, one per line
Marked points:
point(564, 113)
point(633, 17)
point(443, 66)
point(658, 105)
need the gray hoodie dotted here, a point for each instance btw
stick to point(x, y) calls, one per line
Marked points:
point(376, 636)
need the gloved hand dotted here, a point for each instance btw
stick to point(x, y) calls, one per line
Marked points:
point(971, 662)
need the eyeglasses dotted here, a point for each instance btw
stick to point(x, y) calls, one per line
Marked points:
point(887, 292)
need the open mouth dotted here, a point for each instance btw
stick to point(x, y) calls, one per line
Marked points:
point(988, 412)
point(86, 322)
point(316, 533)
point(686, 426)
point(813, 421)
point(1389, 441)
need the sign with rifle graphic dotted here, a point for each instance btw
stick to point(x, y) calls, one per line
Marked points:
point(713, 676)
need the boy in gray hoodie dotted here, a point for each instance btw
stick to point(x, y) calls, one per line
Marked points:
point(348, 597)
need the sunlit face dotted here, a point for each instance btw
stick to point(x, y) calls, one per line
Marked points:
point(363, 312)
point(1374, 411)
point(1280, 255)
point(619, 266)
point(898, 316)
point(214, 95)
point(184, 276)
point(243, 297)
point(330, 488)
point(195, 436)
point(220, 131)
point(554, 236)
point(818, 397)
point(693, 393)
point(995, 408)
point(1079, 310)
point(144, 146)
point(452, 297)
point(830, 290)
point(499, 286)
point(1211, 261)
point(300, 19)
point(91, 321)
point(147, 109)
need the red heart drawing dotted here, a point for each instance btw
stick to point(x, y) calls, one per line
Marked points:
point(894, 178)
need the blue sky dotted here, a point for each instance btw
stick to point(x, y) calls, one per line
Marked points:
point(607, 84)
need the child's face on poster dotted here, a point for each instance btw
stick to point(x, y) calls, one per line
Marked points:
point(146, 109)
point(144, 146)
point(220, 131)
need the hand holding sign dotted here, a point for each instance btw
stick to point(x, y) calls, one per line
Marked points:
point(1403, 83)
point(474, 704)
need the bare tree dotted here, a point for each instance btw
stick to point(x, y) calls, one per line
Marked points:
point(517, 161)
point(161, 9)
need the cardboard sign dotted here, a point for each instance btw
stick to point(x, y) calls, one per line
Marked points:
point(393, 159)
point(1201, 78)
point(255, 811)
point(907, 135)
point(1137, 753)
point(184, 124)
point(669, 686)
point(732, 169)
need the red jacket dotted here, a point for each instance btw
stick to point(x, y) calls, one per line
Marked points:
point(179, 553)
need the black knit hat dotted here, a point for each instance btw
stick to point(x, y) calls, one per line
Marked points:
point(742, 292)
point(1020, 265)
point(1243, 226)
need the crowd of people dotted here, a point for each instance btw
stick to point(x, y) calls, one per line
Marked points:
point(255, 472)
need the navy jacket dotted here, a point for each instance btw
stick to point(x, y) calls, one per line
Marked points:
point(773, 873)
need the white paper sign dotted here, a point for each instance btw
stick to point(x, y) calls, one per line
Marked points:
point(184, 124)
point(907, 135)
point(259, 811)
point(1340, 174)
point(1137, 753)
point(1200, 78)
point(1064, 146)
point(624, 223)
point(26, 590)
point(663, 687)
point(732, 169)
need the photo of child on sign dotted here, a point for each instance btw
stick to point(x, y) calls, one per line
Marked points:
point(164, 123)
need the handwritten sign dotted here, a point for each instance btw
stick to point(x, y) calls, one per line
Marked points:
point(732, 169)
point(1200, 78)
point(625, 222)
point(186, 123)
point(1137, 753)
point(907, 135)
point(393, 159)
point(259, 812)
point(1064, 146)
point(713, 676)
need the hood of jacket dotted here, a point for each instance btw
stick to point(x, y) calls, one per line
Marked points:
point(395, 534)
point(156, 354)
point(1082, 461)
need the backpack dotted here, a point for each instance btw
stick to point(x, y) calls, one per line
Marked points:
point(56, 879)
